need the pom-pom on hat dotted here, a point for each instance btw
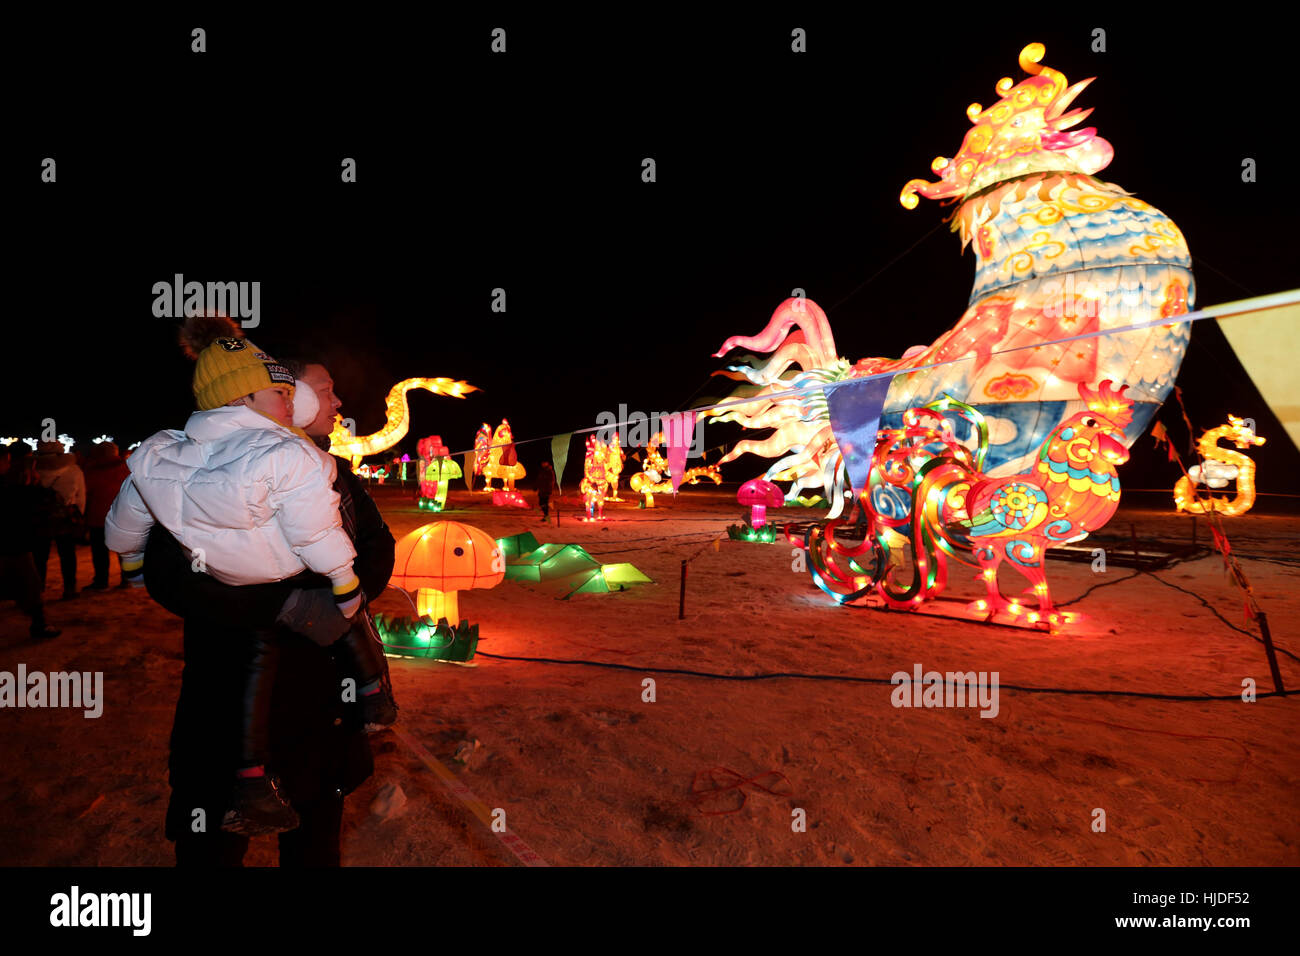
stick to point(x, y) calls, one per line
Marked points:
point(227, 365)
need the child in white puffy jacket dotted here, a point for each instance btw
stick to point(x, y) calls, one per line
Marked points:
point(251, 498)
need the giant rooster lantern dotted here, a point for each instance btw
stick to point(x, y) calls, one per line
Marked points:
point(397, 419)
point(1059, 253)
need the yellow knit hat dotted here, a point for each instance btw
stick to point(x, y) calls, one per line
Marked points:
point(231, 368)
point(227, 365)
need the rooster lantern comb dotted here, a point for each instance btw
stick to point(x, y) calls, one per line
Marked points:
point(1023, 132)
point(1108, 403)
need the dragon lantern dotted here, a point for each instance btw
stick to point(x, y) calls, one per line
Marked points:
point(1220, 466)
point(1059, 253)
point(397, 419)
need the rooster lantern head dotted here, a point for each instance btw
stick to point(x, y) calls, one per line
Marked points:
point(1093, 437)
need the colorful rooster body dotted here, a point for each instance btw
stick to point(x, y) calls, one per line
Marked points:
point(1059, 254)
point(1072, 491)
point(930, 490)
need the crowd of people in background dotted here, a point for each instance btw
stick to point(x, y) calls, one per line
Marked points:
point(52, 499)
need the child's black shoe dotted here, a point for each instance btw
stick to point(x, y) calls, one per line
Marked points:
point(258, 807)
point(378, 710)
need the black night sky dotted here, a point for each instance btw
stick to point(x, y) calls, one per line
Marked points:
point(522, 172)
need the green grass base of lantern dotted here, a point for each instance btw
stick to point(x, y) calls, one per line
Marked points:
point(422, 637)
point(746, 532)
point(430, 504)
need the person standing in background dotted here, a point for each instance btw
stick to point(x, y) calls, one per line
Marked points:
point(105, 471)
point(24, 511)
point(545, 487)
point(57, 470)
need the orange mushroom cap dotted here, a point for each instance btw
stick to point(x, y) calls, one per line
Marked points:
point(447, 556)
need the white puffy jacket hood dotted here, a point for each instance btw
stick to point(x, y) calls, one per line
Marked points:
point(257, 500)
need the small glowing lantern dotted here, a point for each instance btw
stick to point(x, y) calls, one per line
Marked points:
point(760, 495)
point(442, 559)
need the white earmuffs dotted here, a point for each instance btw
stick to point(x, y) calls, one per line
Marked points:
point(306, 406)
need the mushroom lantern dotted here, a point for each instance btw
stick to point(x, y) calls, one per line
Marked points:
point(760, 495)
point(441, 559)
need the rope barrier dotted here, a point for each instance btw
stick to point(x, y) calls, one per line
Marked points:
point(511, 841)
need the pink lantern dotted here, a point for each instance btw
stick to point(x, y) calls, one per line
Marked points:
point(760, 494)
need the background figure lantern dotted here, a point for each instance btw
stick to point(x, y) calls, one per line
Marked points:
point(1220, 466)
point(655, 478)
point(613, 467)
point(594, 479)
point(503, 460)
point(482, 443)
point(439, 470)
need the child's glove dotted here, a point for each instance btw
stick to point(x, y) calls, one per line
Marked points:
point(353, 604)
point(313, 613)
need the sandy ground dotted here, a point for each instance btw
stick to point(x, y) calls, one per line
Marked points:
point(589, 773)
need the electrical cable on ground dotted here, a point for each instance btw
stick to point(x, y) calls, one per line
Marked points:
point(794, 675)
